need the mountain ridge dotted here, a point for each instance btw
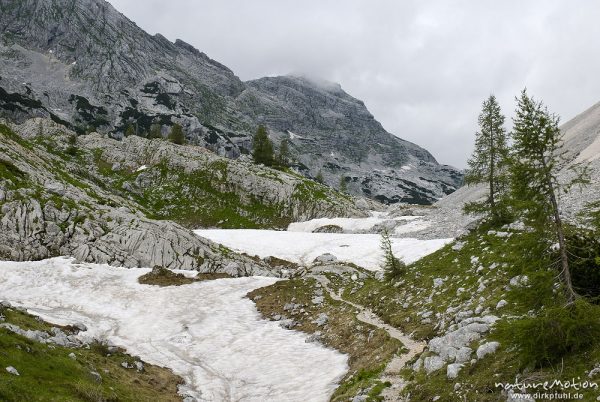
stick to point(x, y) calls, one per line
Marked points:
point(87, 66)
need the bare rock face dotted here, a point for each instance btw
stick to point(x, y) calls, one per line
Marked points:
point(85, 65)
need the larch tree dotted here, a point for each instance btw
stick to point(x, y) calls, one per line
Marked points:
point(319, 178)
point(262, 147)
point(284, 153)
point(176, 136)
point(343, 185)
point(488, 164)
point(130, 130)
point(155, 132)
point(535, 161)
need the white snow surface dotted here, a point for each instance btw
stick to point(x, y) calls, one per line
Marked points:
point(347, 224)
point(302, 248)
point(206, 332)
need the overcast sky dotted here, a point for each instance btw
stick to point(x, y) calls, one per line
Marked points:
point(421, 67)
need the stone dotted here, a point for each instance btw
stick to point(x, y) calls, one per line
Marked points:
point(519, 281)
point(326, 258)
point(72, 356)
point(432, 363)
point(501, 304)
point(453, 369)
point(96, 376)
point(55, 188)
point(12, 370)
point(287, 323)
point(486, 349)
point(321, 319)
point(458, 246)
point(315, 337)
point(329, 229)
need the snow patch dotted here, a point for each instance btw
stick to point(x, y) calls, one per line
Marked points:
point(207, 332)
point(302, 248)
point(350, 225)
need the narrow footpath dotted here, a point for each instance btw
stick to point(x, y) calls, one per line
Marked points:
point(392, 370)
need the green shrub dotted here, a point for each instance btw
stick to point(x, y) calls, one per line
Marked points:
point(553, 333)
point(584, 260)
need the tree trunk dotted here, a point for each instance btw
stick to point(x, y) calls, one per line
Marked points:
point(562, 246)
point(491, 178)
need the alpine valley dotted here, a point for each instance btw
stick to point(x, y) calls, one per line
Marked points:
point(139, 266)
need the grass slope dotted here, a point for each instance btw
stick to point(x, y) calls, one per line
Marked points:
point(47, 373)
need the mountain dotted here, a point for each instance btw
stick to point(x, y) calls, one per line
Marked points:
point(86, 66)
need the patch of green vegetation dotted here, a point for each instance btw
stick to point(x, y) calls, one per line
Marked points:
point(363, 379)
point(47, 373)
point(540, 339)
point(309, 190)
point(11, 135)
point(161, 276)
point(202, 199)
point(8, 171)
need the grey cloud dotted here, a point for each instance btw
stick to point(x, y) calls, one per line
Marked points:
point(422, 68)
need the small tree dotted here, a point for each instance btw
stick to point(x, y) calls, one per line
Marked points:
point(130, 131)
point(72, 148)
point(488, 164)
point(155, 132)
point(319, 178)
point(535, 163)
point(176, 135)
point(393, 268)
point(284, 153)
point(343, 185)
point(262, 147)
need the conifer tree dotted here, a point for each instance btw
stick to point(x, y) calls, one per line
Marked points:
point(319, 177)
point(155, 132)
point(488, 164)
point(536, 158)
point(262, 147)
point(130, 131)
point(343, 184)
point(284, 153)
point(176, 135)
point(393, 268)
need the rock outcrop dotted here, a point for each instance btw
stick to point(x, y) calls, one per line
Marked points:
point(49, 208)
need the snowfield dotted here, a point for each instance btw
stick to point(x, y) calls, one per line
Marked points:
point(302, 247)
point(349, 225)
point(206, 332)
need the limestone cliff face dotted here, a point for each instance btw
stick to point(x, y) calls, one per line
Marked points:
point(85, 65)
